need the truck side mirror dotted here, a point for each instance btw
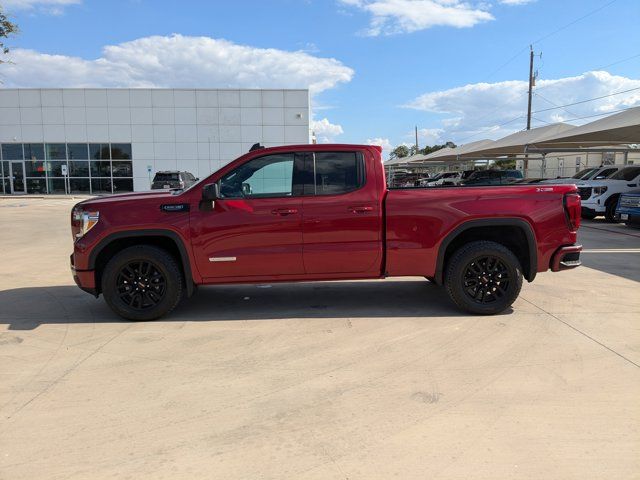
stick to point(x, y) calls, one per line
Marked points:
point(211, 192)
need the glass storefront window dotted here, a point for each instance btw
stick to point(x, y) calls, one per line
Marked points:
point(57, 185)
point(101, 185)
point(97, 168)
point(121, 185)
point(34, 169)
point(54, 169)
point(121, 151)
point(36, 185)
point(33, 151)
point(100, 169)
point(99, 151)
point(79, 185)
point(56, 151)
point(78, 168)
point(12, 151)
point(122, 169)
point(77, 151)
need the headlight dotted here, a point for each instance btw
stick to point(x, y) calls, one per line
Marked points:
point(597, 191)
point(82, 222)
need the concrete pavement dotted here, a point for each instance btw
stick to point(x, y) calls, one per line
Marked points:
point(357, 380)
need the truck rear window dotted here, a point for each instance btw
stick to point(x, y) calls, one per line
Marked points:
point(338, 172)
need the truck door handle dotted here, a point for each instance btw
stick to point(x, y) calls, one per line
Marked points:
point(284, 211)
point(361, 209)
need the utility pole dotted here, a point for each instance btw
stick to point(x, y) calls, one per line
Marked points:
point(417, 139)
point(531, 83)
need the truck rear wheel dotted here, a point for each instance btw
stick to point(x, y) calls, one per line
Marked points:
point(483, 278)
point(142, 282)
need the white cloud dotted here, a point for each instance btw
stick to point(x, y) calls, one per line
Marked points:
point(492, 110)
point(382, 142)
point(54, 7)
point(404, 16)
point(325, 131)
point(429, 136)
point(177, 61)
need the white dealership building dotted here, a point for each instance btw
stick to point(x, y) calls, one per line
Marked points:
point(113, 140)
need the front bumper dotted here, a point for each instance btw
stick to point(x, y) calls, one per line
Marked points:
point(566, 258)
point(85, 279)
point(594, 206)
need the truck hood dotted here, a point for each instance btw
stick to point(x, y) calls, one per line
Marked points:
point(128, 197)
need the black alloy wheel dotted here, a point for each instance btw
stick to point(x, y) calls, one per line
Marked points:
point(142, 282)
point(141, 285)
point(483, 277)
point(486, 279)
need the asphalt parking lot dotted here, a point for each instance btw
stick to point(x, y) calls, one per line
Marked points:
point(341, 380)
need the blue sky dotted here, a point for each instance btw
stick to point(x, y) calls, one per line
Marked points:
point(376, 68)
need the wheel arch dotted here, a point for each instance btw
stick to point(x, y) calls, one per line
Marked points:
point(522, 242)
point(167, 239)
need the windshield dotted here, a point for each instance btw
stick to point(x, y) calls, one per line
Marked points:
point(626, 174)
point(584, 173)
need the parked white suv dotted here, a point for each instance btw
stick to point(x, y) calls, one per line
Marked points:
point(600, 197)
point(593, 173)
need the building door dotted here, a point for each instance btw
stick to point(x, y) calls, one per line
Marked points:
point(17, 177)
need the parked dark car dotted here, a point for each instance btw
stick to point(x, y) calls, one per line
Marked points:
point(492, 177)
point(172, 179)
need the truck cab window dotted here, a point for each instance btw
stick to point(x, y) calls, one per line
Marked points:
point(262, 177)
point(338, 172)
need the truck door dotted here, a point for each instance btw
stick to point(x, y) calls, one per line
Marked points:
point(255, 229)
point(342, 218)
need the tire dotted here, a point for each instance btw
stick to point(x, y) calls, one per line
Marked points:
point(610, 213)
point(494, 289)
point(588, 215)
point(142, 283)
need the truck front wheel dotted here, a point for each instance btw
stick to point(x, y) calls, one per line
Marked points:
point(141, 283)
point(483, 277)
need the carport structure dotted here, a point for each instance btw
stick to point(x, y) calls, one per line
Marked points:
point(615, 132)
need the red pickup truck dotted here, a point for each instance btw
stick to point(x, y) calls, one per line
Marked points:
point(319, 212)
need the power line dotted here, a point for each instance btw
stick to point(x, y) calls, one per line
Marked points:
point(574, 21)
point(617, 62)
point(553, 103)
point(550, 34)
point(585, 101)
point(598, 114)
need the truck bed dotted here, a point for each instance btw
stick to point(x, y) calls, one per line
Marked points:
point(419, 220)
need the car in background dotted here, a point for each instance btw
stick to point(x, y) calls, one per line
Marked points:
point(628, 209)
point(447, 178)
point(600, 197)
point(593, 173)
point(492, 177)
point(439, 179)
point(172, 179)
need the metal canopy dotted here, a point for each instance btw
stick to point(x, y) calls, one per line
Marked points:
point(515, 143)
point(620, 128)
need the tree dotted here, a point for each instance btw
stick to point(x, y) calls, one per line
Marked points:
point(7, 28)
point(506, 164)
point(427, 150)
point(400, 151)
